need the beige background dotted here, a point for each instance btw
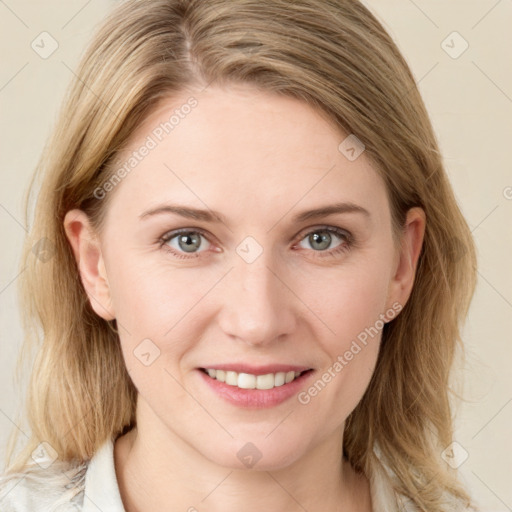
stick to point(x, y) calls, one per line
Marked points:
point(470, 102)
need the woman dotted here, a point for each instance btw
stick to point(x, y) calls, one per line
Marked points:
point(249, 269)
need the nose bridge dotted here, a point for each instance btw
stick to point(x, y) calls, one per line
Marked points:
point(257, 306)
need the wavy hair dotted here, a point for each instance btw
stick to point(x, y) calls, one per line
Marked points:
point(336, 56)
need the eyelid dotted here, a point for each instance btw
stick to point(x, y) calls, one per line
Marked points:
point(325, 227)
point(306, 231)
point(173, 233)
point(340, 232)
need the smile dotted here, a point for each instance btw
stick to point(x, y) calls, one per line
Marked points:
point(250, 381)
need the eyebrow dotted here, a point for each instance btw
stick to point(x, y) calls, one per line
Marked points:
point(216, 217)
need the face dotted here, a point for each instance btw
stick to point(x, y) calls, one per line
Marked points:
point(254, 284)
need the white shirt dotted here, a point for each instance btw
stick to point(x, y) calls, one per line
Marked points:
point(93, 487)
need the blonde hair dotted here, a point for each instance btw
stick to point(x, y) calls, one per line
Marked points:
point(337, 57)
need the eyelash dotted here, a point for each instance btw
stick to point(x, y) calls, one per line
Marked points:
point(346, 245)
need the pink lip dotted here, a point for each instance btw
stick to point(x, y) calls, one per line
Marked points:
point(258, 370)
point(256, 398)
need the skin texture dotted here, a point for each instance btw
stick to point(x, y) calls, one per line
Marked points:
point(258, 159)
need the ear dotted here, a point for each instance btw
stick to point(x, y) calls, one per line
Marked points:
point(87, 251)
point(407, 257)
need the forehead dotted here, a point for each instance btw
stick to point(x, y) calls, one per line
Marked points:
point(236, 149)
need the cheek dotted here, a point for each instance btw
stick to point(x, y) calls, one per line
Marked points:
point(351, 353)
point(160, 314)
point(338, 388)
point(152, 299)
point(347, 301)
point(350, 305)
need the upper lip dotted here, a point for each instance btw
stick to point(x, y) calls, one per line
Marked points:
point(257, 370)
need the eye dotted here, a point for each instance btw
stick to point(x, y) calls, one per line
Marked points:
point(321, 239)
point(184, 243)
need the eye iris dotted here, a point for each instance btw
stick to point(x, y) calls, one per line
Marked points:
point(324, 240)
point(189, 242)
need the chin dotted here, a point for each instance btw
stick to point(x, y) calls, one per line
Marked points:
point(260, 454)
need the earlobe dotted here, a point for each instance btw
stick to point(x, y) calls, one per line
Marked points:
point(88, 255)
point(412, 241)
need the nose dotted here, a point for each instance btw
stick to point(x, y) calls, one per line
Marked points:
point(258, 306)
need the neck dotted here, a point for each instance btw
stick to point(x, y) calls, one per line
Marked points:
point(156, 474)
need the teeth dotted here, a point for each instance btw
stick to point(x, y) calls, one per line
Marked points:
point(232, 378)
point(246, 381)
point(249, 381)
point(279, 379)
point(265, 381)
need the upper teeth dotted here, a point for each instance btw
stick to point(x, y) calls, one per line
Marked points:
point(249, 381)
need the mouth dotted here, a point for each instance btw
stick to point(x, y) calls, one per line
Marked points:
point(257, 380)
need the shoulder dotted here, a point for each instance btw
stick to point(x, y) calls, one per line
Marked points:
point(57, 488)
point(384, 497)
point(86, 486)
point(383, 482)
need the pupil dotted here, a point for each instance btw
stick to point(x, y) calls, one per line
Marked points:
point(322, 238)
point(190, 242)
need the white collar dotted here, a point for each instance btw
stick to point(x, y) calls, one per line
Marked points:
point(102, 490)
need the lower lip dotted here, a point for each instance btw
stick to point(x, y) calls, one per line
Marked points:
point(256, 398)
